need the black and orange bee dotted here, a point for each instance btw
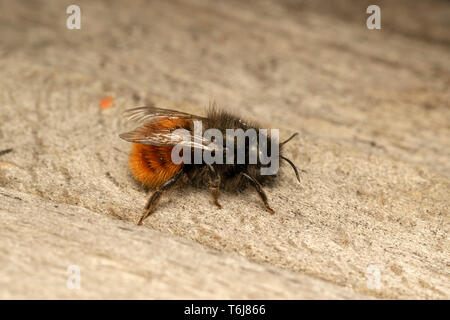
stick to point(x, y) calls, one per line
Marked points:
point(151, 162)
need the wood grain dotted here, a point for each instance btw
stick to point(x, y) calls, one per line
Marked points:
point(371, 108)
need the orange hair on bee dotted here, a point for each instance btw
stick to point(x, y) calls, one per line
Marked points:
point(150, 164)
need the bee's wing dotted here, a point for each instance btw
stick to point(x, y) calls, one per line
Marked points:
point(151, 133)
point(149, 114)
point(160, 137)
point(167, 137)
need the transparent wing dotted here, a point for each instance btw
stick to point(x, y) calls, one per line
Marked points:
point(168, 137)
point(147, 114)
point(154, 130)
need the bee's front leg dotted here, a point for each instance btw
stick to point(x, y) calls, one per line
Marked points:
point(154, 198)
point(215, 185)
point(260, 191)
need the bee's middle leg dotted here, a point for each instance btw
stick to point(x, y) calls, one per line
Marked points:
point(215, 185)
point(260, 191)
point(155, 197)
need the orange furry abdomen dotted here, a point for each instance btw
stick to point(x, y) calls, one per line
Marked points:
point(152, 165)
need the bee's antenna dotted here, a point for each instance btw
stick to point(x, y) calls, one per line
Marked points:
point(291, 163)
point(289, 139)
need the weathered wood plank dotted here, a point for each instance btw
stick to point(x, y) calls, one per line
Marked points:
point(372, 109)
point(41, 240)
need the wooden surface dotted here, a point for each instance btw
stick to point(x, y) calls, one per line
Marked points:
point(42, 240)
point(372, 109)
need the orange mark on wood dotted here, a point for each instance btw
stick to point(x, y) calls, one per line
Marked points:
point(6, 164)
point(106, 102)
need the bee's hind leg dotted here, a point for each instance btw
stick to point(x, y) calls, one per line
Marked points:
point(260, 191)
point(154, 198)
point(215, 185)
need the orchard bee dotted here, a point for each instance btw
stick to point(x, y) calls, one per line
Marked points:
point(164, 136)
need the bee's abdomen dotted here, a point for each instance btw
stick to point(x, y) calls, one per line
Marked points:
point(152, 165)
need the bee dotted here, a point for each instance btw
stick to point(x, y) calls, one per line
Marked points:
point(153, 141)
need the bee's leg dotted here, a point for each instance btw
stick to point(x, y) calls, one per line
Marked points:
point(215, 185)
point(154, 198)
point(260, 191)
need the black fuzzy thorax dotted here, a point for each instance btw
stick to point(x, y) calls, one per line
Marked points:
point(231, 174)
